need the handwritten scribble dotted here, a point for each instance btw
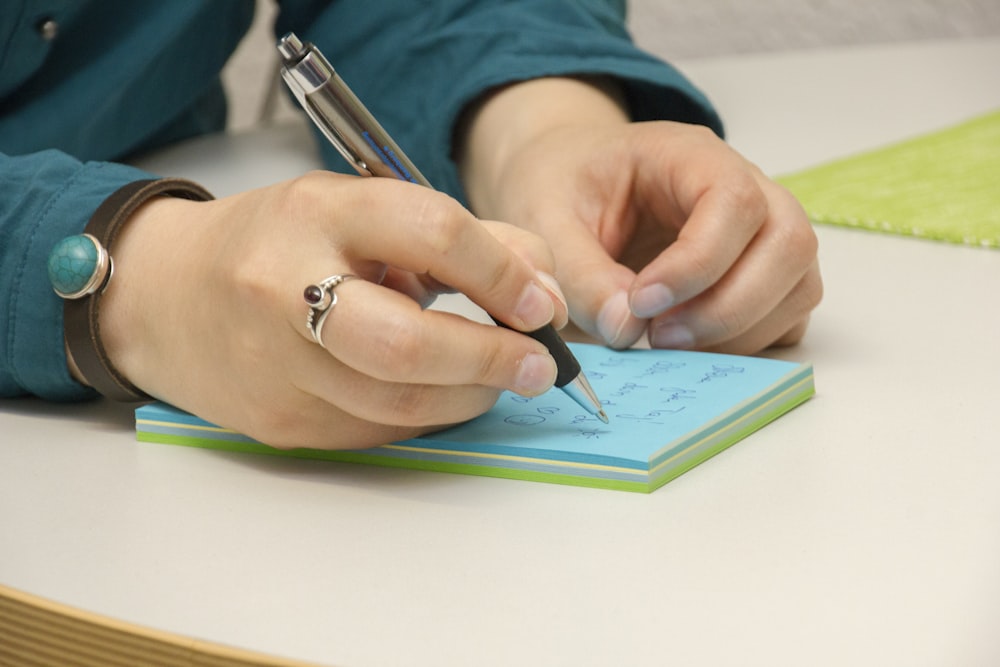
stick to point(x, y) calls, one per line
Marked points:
point(632, 391)
point(678, 393)
point(591, 434)
point(525, 420)
point(720, 371)
point(584, 419)
point(628, 388)
point(661, 367)
point(651, 416)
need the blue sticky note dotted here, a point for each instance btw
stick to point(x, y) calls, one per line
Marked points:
point(669, 410)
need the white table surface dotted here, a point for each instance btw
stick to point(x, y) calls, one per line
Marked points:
point(863, 528)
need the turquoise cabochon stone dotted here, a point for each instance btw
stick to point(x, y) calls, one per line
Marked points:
point(72, 264)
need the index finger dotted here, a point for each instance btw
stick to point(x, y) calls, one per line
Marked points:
point(426, 232)
point(727, 208)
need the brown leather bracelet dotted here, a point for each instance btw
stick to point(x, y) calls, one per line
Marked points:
point(80, 309)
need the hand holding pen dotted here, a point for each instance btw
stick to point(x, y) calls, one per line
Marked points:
point(217, 325)
point(207, 310)
point(366, 146)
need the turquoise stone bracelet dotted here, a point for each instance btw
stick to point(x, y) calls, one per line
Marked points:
point(80, 268)
point(79, 265)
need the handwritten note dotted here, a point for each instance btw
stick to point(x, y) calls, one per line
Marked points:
point(651, 397)
point(669, 410)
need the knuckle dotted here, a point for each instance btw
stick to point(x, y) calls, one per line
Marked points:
point(793, 230)
point(809, 292)
point(799, 237)
point(250, 281)
point(701, 133)
point(699, 264)
point(536, 247)
point(277, 426)
point(493, 277)
point(310, 202)
point(526, 244)
point(249, 263)
point(420, 407)
point(743, 193)
point(494, 366)
point(442, 224)
point(801, 241)
point(730, 321)
point(410, 405)
point(403, 350)
point(313, 183)
point(817, 291)
point(305, 193)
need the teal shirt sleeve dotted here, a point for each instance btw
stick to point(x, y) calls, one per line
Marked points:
point(417, 64)
point(117, 78)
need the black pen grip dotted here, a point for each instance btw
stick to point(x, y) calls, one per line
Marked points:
point(567, 367)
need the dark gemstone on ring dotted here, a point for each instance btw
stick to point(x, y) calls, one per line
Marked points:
point(313, 295)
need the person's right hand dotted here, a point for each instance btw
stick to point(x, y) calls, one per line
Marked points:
point(205, 310)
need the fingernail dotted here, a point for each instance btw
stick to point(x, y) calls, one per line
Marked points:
point(613, 317)
point(534, 308)
point(671, 335)
point(651, 300)
point(536, 374)
point(552, 285)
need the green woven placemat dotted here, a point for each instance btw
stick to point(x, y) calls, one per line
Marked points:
point(943, 186)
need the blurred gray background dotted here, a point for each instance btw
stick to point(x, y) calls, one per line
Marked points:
point(675, 29)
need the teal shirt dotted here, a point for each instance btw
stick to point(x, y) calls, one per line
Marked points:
point(122, 77)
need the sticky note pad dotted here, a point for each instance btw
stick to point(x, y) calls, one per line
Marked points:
point(669, 411)
point(943, 186)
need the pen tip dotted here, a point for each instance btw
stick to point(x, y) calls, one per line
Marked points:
point(603, 416)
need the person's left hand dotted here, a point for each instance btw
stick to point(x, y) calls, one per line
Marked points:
point(657, 227)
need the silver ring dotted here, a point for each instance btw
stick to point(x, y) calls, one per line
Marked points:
point(321, 298)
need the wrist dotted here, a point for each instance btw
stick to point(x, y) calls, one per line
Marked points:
point(145, 267)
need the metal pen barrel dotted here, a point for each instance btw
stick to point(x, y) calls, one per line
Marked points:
point(341, 116)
